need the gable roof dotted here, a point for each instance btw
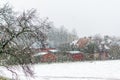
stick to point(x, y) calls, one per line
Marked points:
point(53, 50)
point(40, 53)
point(74, 52)
point(74, 42)
point(82, 42)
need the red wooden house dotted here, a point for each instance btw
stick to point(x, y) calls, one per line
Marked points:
point(75, 55)
point(82, 42)
point(45, 55)
point(49, 57)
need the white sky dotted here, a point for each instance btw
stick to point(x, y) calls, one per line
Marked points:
point(88, 17)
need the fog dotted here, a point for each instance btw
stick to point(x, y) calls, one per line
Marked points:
point(88, 17)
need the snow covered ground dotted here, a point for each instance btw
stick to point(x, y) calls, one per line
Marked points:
point(97, 70)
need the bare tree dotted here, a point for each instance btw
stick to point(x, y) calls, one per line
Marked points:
point(17, 33)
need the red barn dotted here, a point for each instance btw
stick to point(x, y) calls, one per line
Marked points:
point(49, 57)
point(45, 56)
point(76, 55)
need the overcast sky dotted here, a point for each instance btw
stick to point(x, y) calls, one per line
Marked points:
point(88, 17)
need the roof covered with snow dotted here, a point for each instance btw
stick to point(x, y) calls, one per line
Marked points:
point(74, 52)
point(74, 42)
point(54, 50)
point(40, 53)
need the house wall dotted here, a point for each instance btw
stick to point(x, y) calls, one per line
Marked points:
point(77, 57)
point(104, 56)
point(48, 58)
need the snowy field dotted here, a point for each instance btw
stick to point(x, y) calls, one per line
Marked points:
point(98, 70)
